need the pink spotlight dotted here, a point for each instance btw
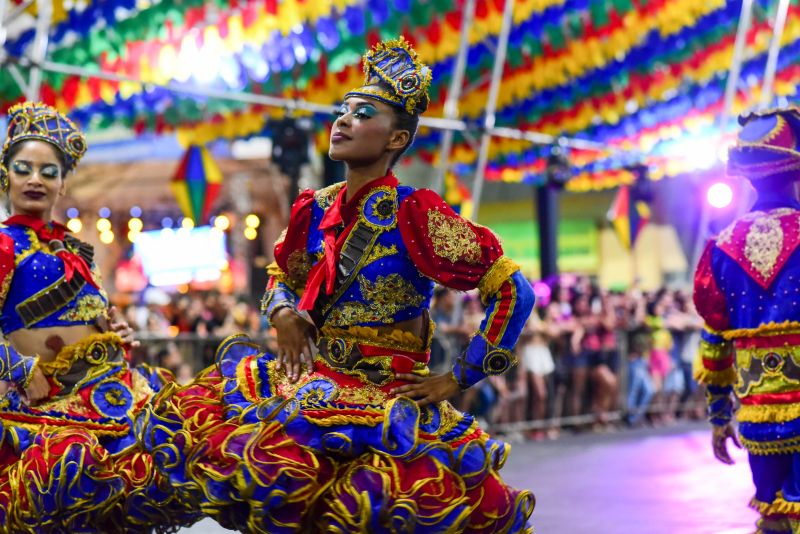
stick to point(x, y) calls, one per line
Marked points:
point(719, 195)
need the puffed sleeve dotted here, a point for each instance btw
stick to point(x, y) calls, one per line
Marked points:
point(289, 272)
point(6, 265)
point(714, 363)
point(462, 255)
point(14, 367)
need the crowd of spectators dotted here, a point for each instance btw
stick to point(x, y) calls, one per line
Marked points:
point(586, 357)
point(181, 332)
point(584, 352)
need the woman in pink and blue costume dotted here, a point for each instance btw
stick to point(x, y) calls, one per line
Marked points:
point(747, 290)
point(69, 459)
point(345, 429)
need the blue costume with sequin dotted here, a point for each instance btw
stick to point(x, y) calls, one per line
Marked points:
point(71, 461)
point(336, 450)
point(747, 290)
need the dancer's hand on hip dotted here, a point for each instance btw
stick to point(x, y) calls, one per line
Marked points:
point(719, 441)
point(38, 387)
point(427, 389)
point(295, 342)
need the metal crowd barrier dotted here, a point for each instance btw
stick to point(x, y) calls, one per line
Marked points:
point(198, 351)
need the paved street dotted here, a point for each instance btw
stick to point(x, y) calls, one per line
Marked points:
point(661, 481)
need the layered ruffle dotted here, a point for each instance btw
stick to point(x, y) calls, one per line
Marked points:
point(329, 453)
point(73, 465)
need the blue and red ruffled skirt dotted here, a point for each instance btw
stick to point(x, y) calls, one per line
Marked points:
point(332, 452)
point(72, 463)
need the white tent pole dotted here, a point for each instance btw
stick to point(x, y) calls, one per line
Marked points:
point(454, 94)
point(745, 18)
point(39, 48)
point(772, 58)
point(491, 106)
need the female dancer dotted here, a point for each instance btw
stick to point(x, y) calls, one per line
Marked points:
point(69, 460)
point(326, 434)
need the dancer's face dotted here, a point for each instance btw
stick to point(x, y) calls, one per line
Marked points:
point(36, 179)
point(364, 131)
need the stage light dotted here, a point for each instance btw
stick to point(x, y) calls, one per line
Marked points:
point(103, 225)
point(719, 195)
point(74, 225)
point(136, 211)
point(250, 233)
point(252, 221)
point(222, 222)
point(133, 235)
point(107, 237)
point(166, 222)
point(187, 223)
point(105, 213)
point(135, 224)
point(72, 213)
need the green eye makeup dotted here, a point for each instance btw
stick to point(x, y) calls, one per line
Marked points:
point(50, 172)
point(20, 168)
point(365, 112)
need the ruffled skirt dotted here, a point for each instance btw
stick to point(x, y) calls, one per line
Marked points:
point(72, 463)
point(332, 453)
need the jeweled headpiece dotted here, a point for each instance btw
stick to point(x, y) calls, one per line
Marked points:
point(768, 144)
point(394, 75)
point(34, 120)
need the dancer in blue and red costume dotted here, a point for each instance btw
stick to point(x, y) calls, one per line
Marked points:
point(747, 290)
point(69, 459)
point(361, 438)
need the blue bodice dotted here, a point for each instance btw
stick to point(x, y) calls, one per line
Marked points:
point(388, 287)
point(36, 270)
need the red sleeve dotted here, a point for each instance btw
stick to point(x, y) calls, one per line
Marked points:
point(6, 265)
point(291, 255)
point(708, 299)
point(444, 246)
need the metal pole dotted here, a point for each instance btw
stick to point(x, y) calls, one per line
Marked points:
point(39, 49)
point(491, 106)
point(3, 27)
point(774, 50)
point(745, 18)
point(16, 12)
point(454, 94)
point(538, 138)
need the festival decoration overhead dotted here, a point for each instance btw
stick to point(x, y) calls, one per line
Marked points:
point(644, 77)
point(196, 184)
point(628, 216)
point(457, 195)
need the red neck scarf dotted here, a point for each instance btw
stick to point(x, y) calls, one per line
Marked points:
point(339, 214)
point(47, 232)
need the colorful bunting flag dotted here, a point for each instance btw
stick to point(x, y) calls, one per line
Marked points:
point(628, 215)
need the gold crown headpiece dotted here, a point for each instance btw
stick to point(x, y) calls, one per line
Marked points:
point(394, 64)
point(34, 120)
